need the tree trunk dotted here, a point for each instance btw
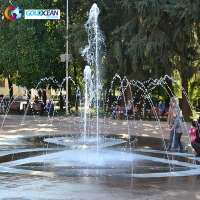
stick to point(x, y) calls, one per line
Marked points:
point(10, 86)
point(75, 80)
point(61, 101)
point(185, 104)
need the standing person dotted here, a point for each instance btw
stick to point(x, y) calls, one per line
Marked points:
point(170, 122)
point(50, 108)
point(175, 125)
point(177, 128)
point(113, 109)
point(180, 129)
point(44, 97)
point(194, 137)
point(51, 114)
point(161, 107)
point(47, 107)
point(129, 108)
point(198, 127)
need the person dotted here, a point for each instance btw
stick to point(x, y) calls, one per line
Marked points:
point(194, 137)
point(129, 108)
point(175, 125)
point(44, 97)
point(161, 108)
point(198, 126)
point(119, 112)
point(170, 121)
point(50, 108)
point(113, 109)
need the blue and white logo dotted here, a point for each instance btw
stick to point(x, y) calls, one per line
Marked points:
point(42, 14)
point(18, 12)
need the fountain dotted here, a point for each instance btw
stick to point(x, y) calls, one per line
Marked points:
point(88, 97)
point(93, 55)
point(104, 150)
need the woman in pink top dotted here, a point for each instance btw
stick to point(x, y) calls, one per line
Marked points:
point(195, 140)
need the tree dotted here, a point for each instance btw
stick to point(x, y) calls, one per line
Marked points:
point(153, 37)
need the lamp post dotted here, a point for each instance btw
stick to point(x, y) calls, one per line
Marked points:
point(67, 55)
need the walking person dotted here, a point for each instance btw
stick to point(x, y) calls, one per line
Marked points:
point(175, 125)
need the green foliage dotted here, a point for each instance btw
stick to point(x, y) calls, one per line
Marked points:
point(144, 38)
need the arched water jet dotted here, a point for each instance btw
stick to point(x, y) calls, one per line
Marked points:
point(143, 88)
point(36, 88)
point(170, 93)
point(117, 76)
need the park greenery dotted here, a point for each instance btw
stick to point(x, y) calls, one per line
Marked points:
point(144, 39)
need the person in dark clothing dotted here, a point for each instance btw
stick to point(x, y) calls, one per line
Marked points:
point(194, 136)
point(50, 108)
point(44, 97)
point(113, 110)
point(161, 108)
point(198, 127)
point(40, 94)
point(42, 109)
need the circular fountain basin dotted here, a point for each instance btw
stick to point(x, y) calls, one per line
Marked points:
point(115, 157)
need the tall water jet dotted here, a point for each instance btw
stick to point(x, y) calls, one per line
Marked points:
point(93, 55)
point(88, 97)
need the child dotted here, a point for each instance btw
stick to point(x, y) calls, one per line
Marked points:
point(194, 136)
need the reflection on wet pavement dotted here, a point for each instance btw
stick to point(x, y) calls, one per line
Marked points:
point(32, 169)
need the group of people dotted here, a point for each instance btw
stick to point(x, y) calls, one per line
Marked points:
point(121, 112)
point(175, 122)
point(47, 106)
point(176, 126)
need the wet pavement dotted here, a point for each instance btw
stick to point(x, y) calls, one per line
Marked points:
point(31, 168)
point(84, 188)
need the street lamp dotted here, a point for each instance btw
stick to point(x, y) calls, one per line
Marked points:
point(67, 55)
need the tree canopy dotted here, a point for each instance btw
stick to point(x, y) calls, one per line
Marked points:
point(144, 38)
